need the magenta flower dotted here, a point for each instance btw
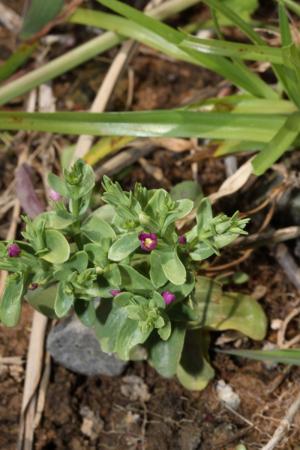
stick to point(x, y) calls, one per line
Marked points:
point(115, 292)
point(55, 196)
point(13, 250)
point(182, 239)
point(148, 241)
point(168, 297)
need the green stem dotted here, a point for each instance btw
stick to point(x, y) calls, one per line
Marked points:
point(81, 54)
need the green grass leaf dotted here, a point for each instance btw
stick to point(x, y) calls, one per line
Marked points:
point(38, 15)
point(286, 356)
point(210, 125)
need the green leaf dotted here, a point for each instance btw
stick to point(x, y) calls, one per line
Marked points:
point(57, 184)
point(228, 311)
point(244, 9)
point(234, 49)
point(278, 145)
point(211, 125)
point(129, 336)
point(10, 306)
point(187, 189)
point(124, 246)
point(157, 275)
point(172, 266)
point(97, 253)
point(85, 311)
point(183, 208)
point(78, 262)
point(133, 281)
point(204, 215)
point(285, 356)
point(58, 220)
point(97, 229)
point(105, 212)
point(63, 300)
point(194, 371)
point(16, 60)
point(58, 246)
point(165, 355)
point(116, 332)
point(43, 300)
point(38, 15)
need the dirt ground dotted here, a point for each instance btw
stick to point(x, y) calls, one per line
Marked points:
point(139, 410)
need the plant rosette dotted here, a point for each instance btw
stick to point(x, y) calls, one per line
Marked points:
point(128, 254)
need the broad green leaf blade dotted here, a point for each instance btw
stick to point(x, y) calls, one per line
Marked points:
point(133, 281)
point(85, 311)
point(157, 275)
point(285, 356)
point(124, 246)
point(187, 189)
point(97, 229)
point(10, 306)
point(173, 268)
point(165, 355)
point(210, 125)
point(63, 301)
point(58, 246)
point(38, 15)
point(194, 371)
point(278, 145)
point(43, 300)
point(228, 311)
point(57, 184)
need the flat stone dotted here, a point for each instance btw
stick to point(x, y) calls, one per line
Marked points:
point(76, 348)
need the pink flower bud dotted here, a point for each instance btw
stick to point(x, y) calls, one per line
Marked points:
point(168, 297)
point(13, 250)
point(182, 239)
point(55, 196)
point(115, 292)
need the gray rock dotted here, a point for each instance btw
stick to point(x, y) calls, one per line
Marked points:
point(76, 347)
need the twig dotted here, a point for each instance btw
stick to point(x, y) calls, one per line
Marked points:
point(10, 19)
point(124, 159)
point(284, 425)
point(269, 237)
point(106, 89)
point(288, 264)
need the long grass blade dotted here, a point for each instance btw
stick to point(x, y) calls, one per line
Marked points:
point(278, 145)
point(235, 50)
point(211, 125)
point(288, 356)
point(16, 60)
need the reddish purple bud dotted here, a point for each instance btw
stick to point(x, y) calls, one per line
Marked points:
point(148, 241)
point(115, 292)
point(13, 250)
point(33, 286)
point(55, 196)
point(182, 240)
point(168, 297)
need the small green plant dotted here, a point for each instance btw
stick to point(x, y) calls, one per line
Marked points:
point(126, 271)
